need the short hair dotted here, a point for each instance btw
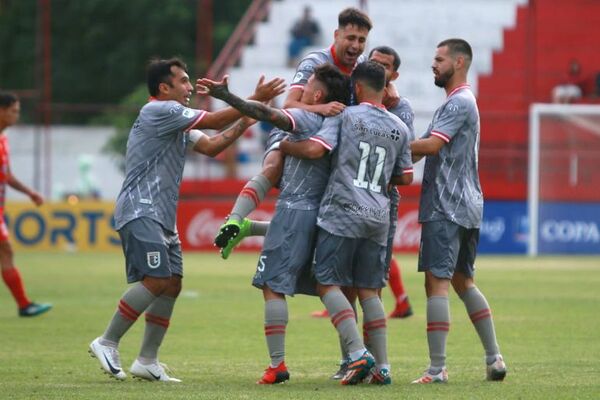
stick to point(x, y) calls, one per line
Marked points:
point(336, 83)
point(159, 71)
point(458, 46)
point(7, 99)
point(354, 16)
point(371, 73)
point(390, 52)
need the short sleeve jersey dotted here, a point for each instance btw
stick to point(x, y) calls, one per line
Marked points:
point(304, 181)
point(404, 111)
point(4, 168)
point(451, 189)
point(154, 163)
point(369, 146)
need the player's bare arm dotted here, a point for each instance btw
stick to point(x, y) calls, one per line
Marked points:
point(16, 184)
point(264, 91)
point(304, 149)
point(213, 145)
point(404, 179)
point(426, 147)
point(327, 110)
point(251, 108)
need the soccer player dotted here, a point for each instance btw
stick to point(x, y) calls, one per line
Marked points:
point(10, 108)
point(369, 151)
point(145, 213)
point(450, 210)
point(284, 263)
point(349, 43)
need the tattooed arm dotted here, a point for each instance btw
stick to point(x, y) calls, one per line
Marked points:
point(250, 108)
point(213, 145)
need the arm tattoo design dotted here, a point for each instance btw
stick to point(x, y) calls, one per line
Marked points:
point(258, 111)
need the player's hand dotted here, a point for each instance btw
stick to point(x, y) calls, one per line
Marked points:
point(330, 109)
point(391, 98)
point(212, 88)
point(247, 121)
point(269, 90)
point(37, 198)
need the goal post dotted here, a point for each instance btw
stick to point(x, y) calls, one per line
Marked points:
point(564, 179)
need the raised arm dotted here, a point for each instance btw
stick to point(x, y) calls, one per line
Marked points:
point(250, 108)
point(327, 110)
point(213, 145)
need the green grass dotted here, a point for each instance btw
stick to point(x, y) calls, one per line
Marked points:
point(546, 314)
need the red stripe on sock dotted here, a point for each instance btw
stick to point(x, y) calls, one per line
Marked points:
point(438, 326)
point(12, 279)
point(128, 312)
point(156, 320)
point(249, 192)
point(341, 316)
point(275, 332)
point(481, 315)
point(377, 323)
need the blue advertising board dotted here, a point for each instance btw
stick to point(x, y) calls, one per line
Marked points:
point(504, 228)
point(569, 228)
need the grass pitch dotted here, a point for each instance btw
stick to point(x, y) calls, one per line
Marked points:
point(546, 314)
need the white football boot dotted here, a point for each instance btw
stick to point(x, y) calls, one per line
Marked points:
point(109, 359)
point(151, 372)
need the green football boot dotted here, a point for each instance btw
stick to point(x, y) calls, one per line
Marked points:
point(235, 232)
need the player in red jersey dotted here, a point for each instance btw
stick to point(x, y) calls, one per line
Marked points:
point(9, 115)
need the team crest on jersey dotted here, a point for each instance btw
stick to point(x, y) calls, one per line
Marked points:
point(453, 107)
point(188, 113)
point(297, 77)
point(153, 259)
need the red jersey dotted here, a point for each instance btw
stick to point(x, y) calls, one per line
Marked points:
point(4, 151)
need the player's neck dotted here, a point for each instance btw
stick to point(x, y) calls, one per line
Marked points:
point(453, 84)
point(371, 98)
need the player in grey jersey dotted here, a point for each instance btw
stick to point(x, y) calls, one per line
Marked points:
point(284, 263)
point(450, 210)
point(146, 208)
point(369, 151)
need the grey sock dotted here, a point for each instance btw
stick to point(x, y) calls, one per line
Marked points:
point(481, 316)
point(343, 347)
point(250, 197)
point(276, 319)
point(158, 316)
point(438, 324)
point(259, 228)
point(134, 301)
point(343, 319)
point(374, 326)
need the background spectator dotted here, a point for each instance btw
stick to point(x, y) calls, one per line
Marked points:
point(304, 33)
point(569, 90)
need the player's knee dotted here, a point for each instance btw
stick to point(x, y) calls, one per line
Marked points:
point(174, 287)
point(157, 286)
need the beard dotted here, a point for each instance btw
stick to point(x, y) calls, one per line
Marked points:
point(443, 79)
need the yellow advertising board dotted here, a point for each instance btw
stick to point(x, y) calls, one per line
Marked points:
point(84, 226)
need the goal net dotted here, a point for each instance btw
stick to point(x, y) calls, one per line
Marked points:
point(564, 179)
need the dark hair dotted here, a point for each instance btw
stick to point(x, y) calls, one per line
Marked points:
point(354, 16)
point(390, 52)
point(7, 99)
point(159, 71)
point(458, 46)
point(371, 73)
point(336, 83)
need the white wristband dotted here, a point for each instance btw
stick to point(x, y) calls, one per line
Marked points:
point(194, 135)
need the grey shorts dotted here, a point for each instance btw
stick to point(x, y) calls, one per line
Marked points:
point(275, 136)
point(150, 250)
point(349, 262)
point(285, 262)
point(447, 247)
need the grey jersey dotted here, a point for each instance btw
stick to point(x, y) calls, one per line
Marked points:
point(304, 181)
point(154, 163)
point(404, 111)
point(370, 145)
point(451, 188)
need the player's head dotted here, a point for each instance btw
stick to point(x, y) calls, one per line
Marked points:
point(369, 79)
point(326, 84)
point(169, 80)
point(389, 59)
point(351, 35)
point(452, 57)
point(10, 109)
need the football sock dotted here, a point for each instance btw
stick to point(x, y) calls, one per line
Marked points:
point(481, 316)
point(259, 228)
point(158, 316)
point(134, 301)
point(343, 319)
point(250, 197)
point(343, 347)
point(438, 324)
point(395, 282)
point(374, 325)
point(276, 319)
point(12, 279)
